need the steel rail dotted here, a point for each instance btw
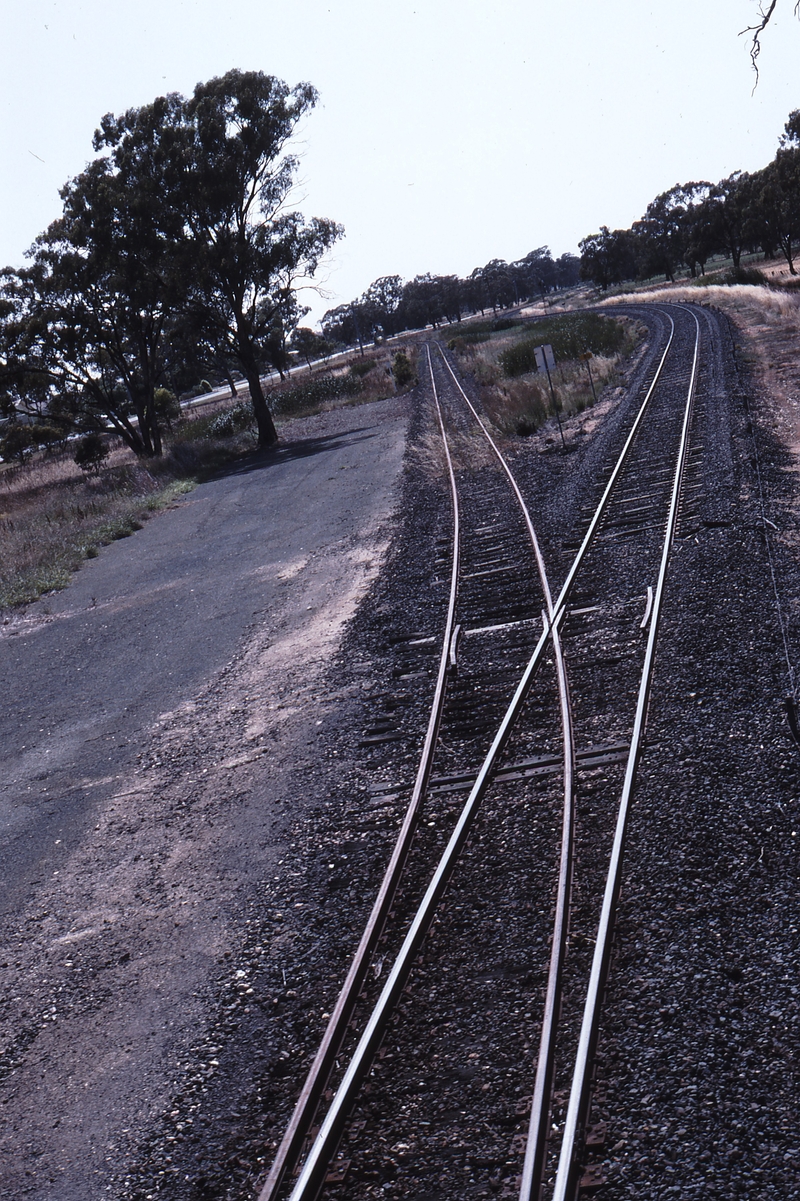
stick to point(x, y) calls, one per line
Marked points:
point(307, 1104)
point(569, 1164)
point(514, 486)
point(312, 1175)
point(293, 1140)
point(602, 504)
point(536, 1147)
point(538, 1128)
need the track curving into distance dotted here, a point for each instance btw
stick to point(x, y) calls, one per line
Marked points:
point(630, 508)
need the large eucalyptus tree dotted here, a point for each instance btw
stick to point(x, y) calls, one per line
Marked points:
point(249, 249)
point(180, 233)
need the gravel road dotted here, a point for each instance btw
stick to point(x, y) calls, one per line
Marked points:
point(155, 713)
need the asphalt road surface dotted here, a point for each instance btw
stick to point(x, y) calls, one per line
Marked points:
point(151, 715)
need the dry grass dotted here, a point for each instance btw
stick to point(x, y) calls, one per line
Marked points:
point(768, 320)
point(468, 451)
point(522, 405)
point(755, 302)
point(53, 516)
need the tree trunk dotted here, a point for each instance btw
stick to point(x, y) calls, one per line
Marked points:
point(267, 434)
point(156, 436)
point(148, 423)
point(786, 247)
point(122, 426)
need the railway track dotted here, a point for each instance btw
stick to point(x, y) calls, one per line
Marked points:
point(490, 591)
point(611, 599)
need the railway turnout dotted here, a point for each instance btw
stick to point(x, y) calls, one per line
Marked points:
point(533, 691)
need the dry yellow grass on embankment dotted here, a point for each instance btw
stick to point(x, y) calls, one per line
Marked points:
point(754, 302)
point(769, 323)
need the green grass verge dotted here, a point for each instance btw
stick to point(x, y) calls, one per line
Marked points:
point(44, 538)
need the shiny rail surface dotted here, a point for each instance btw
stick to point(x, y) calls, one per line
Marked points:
point(312, 1175)
point(539, 1126)
point(316, 1081)
point(324, 1148)
point(536, 1148)
point(567, 1181)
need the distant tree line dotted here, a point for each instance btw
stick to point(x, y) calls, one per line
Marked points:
point(687, 225)
point(177, 254)
point(391, 306)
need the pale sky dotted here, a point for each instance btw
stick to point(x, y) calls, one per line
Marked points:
point(449, 132)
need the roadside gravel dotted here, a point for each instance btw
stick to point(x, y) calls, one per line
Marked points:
point(161, 736)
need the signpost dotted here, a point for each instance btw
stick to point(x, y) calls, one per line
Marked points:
point(545, 360)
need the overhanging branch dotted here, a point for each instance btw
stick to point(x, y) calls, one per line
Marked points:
point(764, 18)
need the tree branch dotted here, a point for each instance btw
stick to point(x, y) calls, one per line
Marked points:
point(764, 19)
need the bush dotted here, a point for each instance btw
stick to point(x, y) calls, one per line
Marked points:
point(46, 435)
point(313, 392)
point(569, 336)
point(16, 442)
point(472, 337)
point(91, 452)
point(481, 331)
point(486, 372)
point(361, 368)
point(167, 407)
point(232, 421)
point(519, 359)
point(520, 407)
point(744, 275)
point(402, 370)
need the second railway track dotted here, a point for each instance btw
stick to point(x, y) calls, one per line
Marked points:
point(495, 594)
